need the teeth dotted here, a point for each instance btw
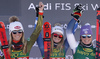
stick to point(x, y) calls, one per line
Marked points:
point(17, 36)
point(55, 39)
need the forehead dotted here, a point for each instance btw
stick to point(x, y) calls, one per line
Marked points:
point(86, 34)
point(17, 30)
point(58, 33)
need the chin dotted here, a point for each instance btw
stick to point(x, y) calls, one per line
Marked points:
point(56, 42)
point(87, 43)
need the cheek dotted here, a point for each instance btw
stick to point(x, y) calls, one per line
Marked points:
point(90, 40)
point(21, 35)
point(59, 39)
point(13, 35)
point(82, 40)
point(54, 38)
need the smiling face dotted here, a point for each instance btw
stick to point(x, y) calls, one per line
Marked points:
point(57, 37)
point(17, 34)
point(86, 39)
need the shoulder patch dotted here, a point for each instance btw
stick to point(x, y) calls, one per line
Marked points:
point(28, 39)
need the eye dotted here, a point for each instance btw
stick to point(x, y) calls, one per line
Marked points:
point(55, 35)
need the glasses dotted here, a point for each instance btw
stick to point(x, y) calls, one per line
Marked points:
point(88, 36)
point(57, 35)
point(15, 32)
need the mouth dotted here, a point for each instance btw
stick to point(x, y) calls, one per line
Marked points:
point(86, 41)
point(56, 40)
point(17, 36)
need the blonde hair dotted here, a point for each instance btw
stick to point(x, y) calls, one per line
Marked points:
point(57, 24)
point(23, 41)
point(13, 19)
point(60, 44)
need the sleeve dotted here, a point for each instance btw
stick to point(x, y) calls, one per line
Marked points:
point(73, 31)
point(36, 32)
point(39, 39)
point(66, 45)
point(70, 36)
point(40, 44)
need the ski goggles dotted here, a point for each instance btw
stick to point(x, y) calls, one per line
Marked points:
point(15, 32)
point(84, 36)
point(57, 35)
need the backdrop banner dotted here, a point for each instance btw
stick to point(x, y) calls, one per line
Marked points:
point(55, 11)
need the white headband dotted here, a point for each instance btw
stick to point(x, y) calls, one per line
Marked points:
point(57, 29)
point(15, 26)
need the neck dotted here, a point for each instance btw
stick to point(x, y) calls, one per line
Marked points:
point(16, 41)
point(55, 44)
point(86, 45)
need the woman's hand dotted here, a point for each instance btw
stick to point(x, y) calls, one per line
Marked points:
point(41, 6)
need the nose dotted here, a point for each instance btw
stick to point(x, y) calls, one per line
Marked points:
point(86, 38)
point(58, 37)
point(17, 33)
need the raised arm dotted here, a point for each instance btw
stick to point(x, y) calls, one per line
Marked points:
point(38, 28)
point(71, 26)
point(70, 36)
point(74, 27)
point(39, 39)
